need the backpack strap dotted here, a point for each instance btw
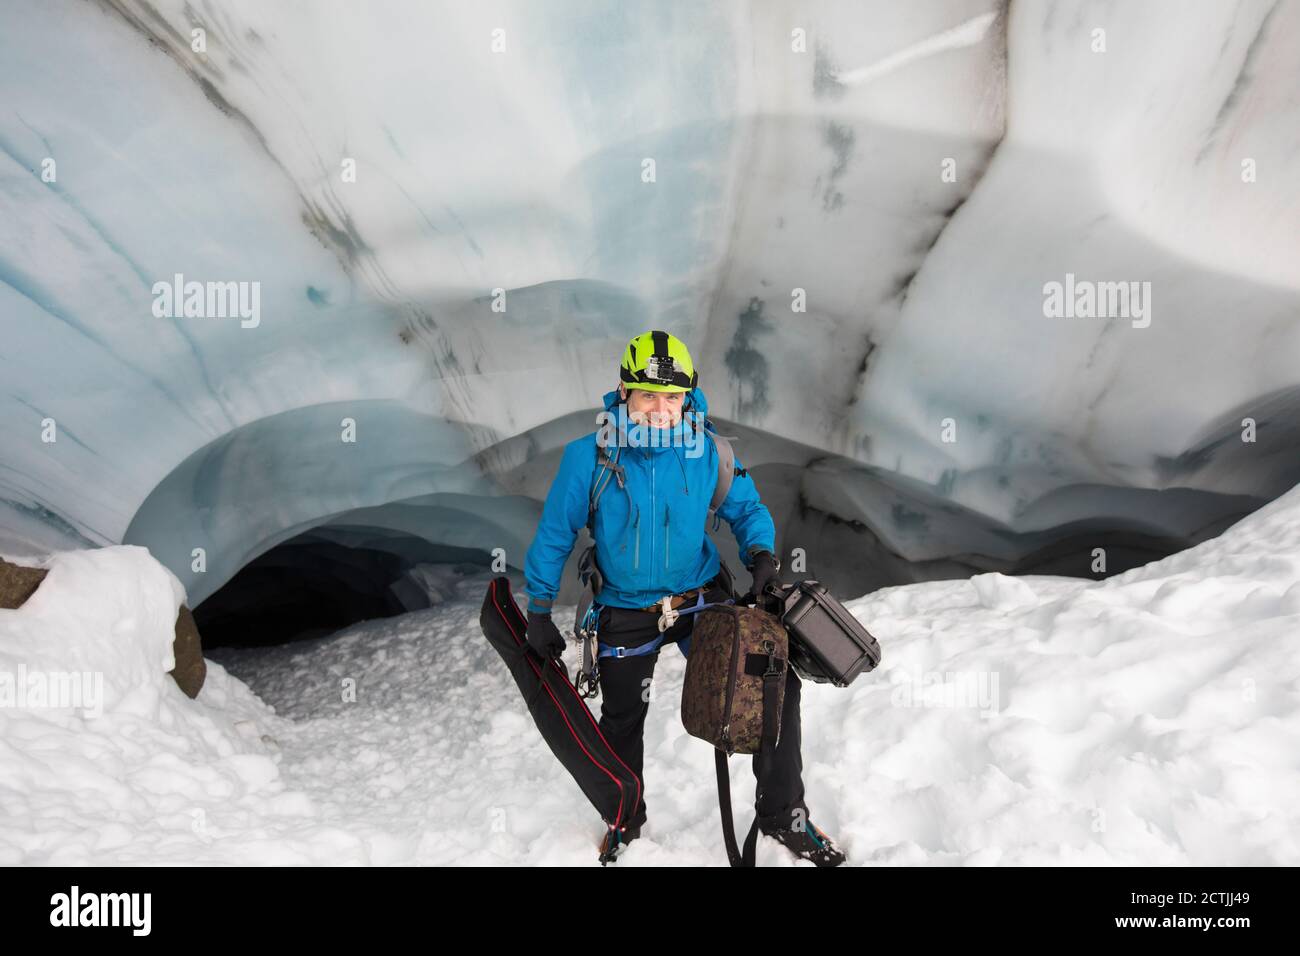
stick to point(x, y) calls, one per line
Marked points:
point(588, 572)
point(608, 465)
point(587, 616)
point(727, 472)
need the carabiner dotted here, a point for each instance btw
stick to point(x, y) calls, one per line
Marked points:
point(587, 681)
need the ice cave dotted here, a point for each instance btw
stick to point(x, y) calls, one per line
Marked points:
point(433, 228)
point(309, 305)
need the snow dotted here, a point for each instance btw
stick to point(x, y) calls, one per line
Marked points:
point(1152, 717)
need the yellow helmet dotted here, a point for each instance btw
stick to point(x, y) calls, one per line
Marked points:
point(658, 362)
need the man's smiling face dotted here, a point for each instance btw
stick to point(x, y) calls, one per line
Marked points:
point(656, 409)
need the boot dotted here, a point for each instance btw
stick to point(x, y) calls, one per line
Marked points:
point(808, 843)
point(618, 837)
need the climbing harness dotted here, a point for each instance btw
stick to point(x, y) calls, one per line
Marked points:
point(612, 650)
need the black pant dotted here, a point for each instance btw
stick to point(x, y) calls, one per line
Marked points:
point(624, 684)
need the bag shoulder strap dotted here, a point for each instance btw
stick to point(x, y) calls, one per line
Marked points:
point(767, 750)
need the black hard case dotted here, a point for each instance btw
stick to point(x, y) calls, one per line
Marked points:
point(828, 645)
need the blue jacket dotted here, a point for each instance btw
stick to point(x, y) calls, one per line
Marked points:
point(650, 538)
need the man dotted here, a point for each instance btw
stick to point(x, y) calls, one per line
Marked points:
point(650, 540)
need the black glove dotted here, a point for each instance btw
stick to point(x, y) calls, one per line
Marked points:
point(764, 571)
point(543, 636)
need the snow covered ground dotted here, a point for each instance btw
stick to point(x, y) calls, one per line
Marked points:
point(1150, 718)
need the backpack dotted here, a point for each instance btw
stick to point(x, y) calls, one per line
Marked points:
point(608, 465)
point(589, 574)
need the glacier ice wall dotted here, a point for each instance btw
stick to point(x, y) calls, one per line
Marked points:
point(796, 146)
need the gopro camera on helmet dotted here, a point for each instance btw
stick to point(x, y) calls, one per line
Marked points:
point(661, 369)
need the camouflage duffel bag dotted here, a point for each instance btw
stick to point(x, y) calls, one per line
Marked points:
point(733, 696)
point(735, 652)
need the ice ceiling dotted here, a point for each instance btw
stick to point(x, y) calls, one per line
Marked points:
point(390, 174)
